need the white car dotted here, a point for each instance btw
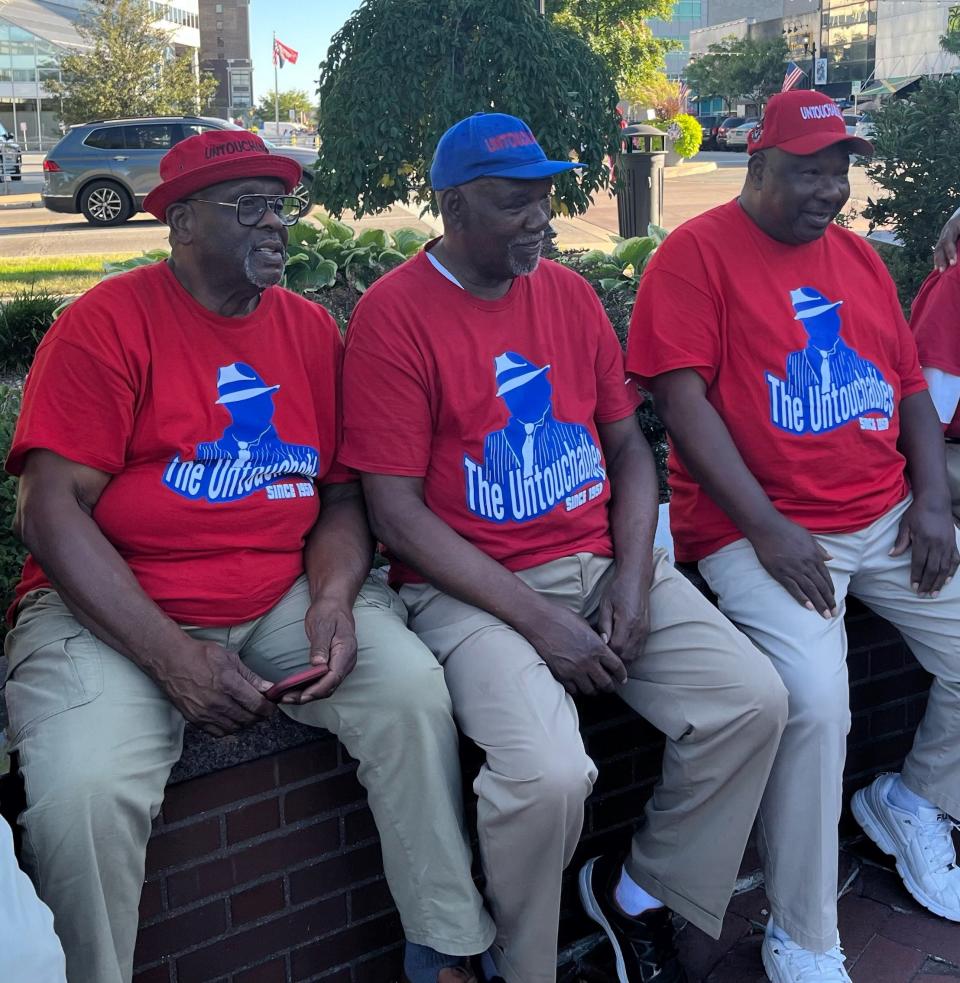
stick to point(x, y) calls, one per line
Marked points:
point(864, 127)
point(737, 137)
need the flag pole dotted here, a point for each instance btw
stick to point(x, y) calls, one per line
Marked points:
point(276, 88)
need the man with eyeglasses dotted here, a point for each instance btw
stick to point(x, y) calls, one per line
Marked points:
point(192, 541)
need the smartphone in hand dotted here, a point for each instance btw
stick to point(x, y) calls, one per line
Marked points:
point(299, 680)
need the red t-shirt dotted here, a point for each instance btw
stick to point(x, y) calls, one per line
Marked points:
point(935, 321)
point(806, 356)
point(494, 403)
point(215, 430)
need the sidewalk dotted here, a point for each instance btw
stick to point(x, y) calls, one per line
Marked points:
point(887, 937)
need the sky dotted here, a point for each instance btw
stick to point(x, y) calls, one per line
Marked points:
point(305, 27)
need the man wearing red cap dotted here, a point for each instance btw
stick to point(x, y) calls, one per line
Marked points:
point(506, 474)
point(807, 464)
point(192, 541)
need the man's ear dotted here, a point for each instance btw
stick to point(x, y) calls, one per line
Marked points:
point(756, 169)
point(181, 218)
point(453, 208)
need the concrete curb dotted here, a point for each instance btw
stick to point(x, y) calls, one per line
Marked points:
point(689, 169)
point(23, 201)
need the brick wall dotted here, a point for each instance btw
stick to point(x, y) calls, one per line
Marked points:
point(270, 871)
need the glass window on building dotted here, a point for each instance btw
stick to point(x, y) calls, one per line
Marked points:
point(849, 39)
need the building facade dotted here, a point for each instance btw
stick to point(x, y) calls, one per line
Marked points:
point(225, 53)
point(859, 42)
point(36, 34)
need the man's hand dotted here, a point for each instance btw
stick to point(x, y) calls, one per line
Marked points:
point(575, 654)
point(931, 535)
point(798, 563)
point(945, 251)
point(623, 621)
point(213, 689)
point(333, 644)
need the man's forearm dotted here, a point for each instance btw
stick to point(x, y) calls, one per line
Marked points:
point(339, 549)
point(98, 586)
point(634, 500)
point(921, 442)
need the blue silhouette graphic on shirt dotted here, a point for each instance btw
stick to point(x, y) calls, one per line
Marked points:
point(535, 462)
point(827, 384)
point(250, 454)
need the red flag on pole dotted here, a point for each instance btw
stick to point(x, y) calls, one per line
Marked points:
point(283, 53)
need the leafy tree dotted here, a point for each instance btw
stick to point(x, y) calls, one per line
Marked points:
point(739, 68)
point(660, 94)
point(617, 31)
point(917, 143)
point(400, 72)
point(127, 72)
point(951, 40)
point(295, 99)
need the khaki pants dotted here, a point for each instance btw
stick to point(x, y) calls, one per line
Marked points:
point(97, 738)
point(699, 681)
point(953, 477)
point(801, 807)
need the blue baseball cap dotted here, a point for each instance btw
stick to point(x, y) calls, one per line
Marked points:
point(491, 145)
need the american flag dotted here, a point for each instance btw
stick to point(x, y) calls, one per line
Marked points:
point(793, 75)
point(682, 94)
point(284, 53)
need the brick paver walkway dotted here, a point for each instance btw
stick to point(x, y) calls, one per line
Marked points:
point(887, 936)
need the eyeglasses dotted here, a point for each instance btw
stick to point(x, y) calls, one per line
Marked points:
point(252, 208)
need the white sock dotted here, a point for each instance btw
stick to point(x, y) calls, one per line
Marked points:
point(902, 798)
point(632, 898)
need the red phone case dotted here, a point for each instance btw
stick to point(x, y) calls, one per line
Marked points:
point(297, 681)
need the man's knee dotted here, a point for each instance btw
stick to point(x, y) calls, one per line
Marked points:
point(768, 698)
point(413, 687)
point(551, 778)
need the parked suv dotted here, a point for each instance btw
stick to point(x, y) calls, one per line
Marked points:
point(10, 154)
point(106, 168)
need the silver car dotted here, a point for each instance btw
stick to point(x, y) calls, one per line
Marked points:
point(106, 168)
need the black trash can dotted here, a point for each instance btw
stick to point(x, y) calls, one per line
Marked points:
point(639, 179)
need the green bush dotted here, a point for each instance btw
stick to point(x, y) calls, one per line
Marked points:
point(687, 144)
point(917, 143)
point(11, 552)
point(24, 320)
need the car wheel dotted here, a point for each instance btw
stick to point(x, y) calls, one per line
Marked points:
point(304, 193)
point(105, 203)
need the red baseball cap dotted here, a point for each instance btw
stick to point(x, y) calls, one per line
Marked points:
point(211, 157)
point(803, 122)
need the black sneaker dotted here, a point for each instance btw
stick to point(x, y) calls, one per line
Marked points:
point(644, 947)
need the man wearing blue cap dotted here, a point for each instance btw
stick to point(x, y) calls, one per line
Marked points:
point(505, 472)
point(808, 464)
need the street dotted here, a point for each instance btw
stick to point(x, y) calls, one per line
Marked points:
point(38, 232)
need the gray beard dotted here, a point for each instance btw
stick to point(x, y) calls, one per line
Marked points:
point(260, 282)
point(522, 267)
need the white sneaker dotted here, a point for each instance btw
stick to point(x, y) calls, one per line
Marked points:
point(787, 962)
point(922, 845)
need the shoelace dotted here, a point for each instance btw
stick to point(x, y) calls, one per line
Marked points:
point(937, 842)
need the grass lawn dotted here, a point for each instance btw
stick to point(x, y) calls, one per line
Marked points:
point(54, 274)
